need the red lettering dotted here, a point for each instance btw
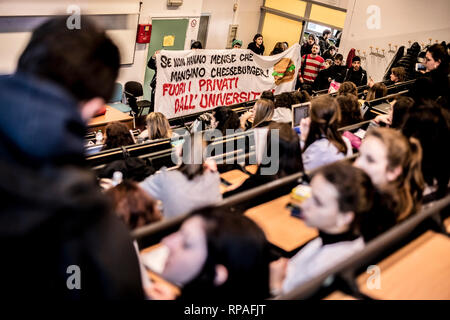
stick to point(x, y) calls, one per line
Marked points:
point(235, 98)
point(228, 99)
point(201, 84)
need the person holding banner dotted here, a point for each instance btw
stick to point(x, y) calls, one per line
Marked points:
point(257, 45)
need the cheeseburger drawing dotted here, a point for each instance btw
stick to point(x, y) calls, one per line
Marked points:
point(283, 71)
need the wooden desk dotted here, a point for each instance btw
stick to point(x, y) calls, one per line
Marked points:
point(252, 168)
point(339, 295)
point(420, 270)
point(235, 177)
point(281, 229)
point(111, 115)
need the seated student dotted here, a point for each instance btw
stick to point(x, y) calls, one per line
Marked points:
point(195, 184)
point(394, 164)
point(348, 88)
point(350, 110)
point(226, 119)
point(298, 97)
point(158, 127)
point(427, 124)
point(397, 75)
point(289, 161)
point(341, 195)
point(217, 255)
point(133, 205)
point(401, 106)
point(268, 94)
point(377, 91)
point(117, 135)
point(283, 111)
point(260, 116)
point(320, 140)
point(338, 70)
point(356, 73)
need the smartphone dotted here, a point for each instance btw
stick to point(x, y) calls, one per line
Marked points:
point(420, 67)
point(296, 211)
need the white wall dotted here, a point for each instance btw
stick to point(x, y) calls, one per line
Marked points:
point(401, 21)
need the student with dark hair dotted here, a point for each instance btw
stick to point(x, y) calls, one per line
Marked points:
point(401, 106)
point(377, 91)
point(196, 45)
point(217, 255)
point(330, 53)
point(117, 135)
point(268, 94)
point(307, 46)
point(57, 216)
point(321, 142)
point(300, 97)
point(289, 161)
point(226, 119)
point(133, 205)
point(338, 70)
point(350, 110)
point(356, 73)
point(348, 87)
point(311, 65)
point(341, 197)
point(393, 162)
point(278, 48)
point(257, 46)
point(397, 75)
point(196, 177)
point(322, 81)
point(323, 41)
point(283, 108)
point(427, 124)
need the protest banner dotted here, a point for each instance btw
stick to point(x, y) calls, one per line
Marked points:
point(191, 81)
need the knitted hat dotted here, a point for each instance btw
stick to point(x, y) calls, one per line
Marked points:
point(356, 58)
point(235, 42)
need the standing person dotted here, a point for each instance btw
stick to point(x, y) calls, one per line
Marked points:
point(279, 48)
point(236, 44)
point(311, 65)
point(338, 70)
point(152, 65)
point(356, 73)
point(322, 81)
point(257, 46)
point(323, 41)
point(307, 46)
point(330, 53)
point(54, 214)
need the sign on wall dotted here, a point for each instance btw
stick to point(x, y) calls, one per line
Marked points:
point(192, 81)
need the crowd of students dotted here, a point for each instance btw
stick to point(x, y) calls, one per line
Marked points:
point(56, 213)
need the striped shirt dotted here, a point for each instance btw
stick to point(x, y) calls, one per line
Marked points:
point(312, 67)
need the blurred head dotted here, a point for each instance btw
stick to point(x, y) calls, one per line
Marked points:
point(325, 117)
point(332, 50)
point(356, 63)
point(263, 112)
point(315, 49)
point(338, 59)
point(258, 39)
point(300, 97)
point(348, 87)
point(400, 109)
point(117, 135)
point(393, 162)
point(226, 119)
point(350, 110)
point(237, 44)
point(85, 61)
point(279, 48)
point(133, 205)
point(196, 45)
point(311, 39)
point(268, 95)
point(328, 63)
point(398, 74)
point(326, 34)
point(217, 254)
point(193, 156)
point(340, 196)
point(288, 161)
point(378, 90)
point(283, 100)
point(158, 126)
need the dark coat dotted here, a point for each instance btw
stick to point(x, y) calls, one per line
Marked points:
point(359, 78)
point(337, 73)
point(252, 46)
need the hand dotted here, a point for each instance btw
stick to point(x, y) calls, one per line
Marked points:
point(246, 116)
point(156, 52)
point(278, 274)
point(301, 80)
point(304, 128)
point(160, 291)
point(385, 118)
point(371, 82)
point(210, 165)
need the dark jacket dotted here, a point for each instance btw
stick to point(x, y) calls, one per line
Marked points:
point(359, 78)
point(337, 73)
point(305, 49)
point(52, 216)
point(324, 45)
point(40, 123)
point(152, 65)
point(252, 46)
point(409, 61)
point(321, 82)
